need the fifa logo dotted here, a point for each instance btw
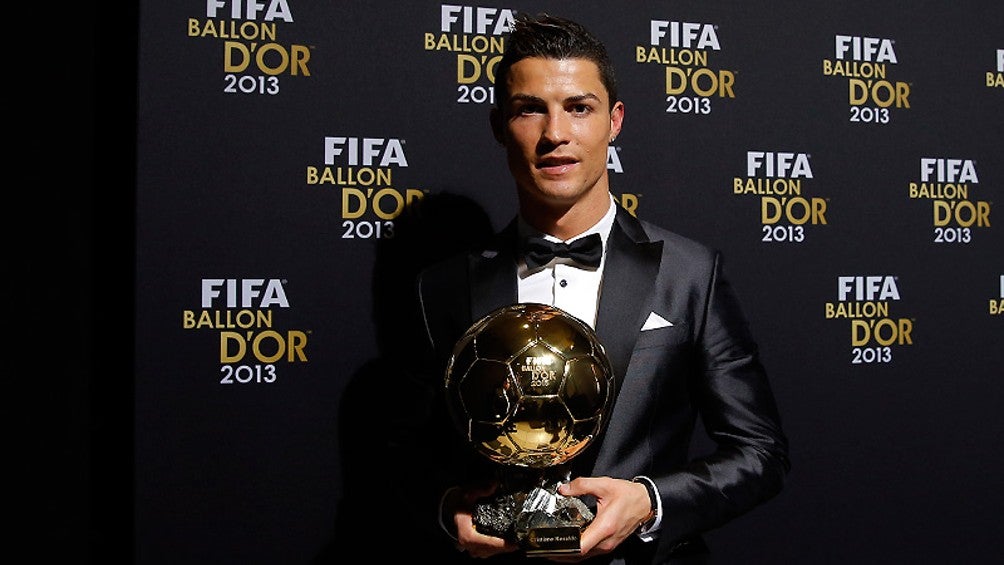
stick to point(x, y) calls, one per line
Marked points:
point(367, 151)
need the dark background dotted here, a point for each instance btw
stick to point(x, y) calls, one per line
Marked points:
point(894, 462)
point(70, 268)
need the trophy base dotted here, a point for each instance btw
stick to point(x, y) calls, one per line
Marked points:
point(536, 517)
point(560, 540)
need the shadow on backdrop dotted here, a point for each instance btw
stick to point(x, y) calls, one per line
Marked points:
point(380, 415)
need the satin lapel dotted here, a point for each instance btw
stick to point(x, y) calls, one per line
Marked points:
point(493, 274)
point(632, 264)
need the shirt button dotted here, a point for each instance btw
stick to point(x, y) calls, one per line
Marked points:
point(563, 283)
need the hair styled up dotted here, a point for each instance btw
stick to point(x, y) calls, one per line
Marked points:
point(551, 37)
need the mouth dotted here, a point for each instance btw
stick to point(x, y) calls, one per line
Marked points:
point(556, 165)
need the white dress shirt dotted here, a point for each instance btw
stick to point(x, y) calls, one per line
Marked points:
point(562, 282)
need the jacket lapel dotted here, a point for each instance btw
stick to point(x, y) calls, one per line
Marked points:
point(493, 274)
point(632, 264)
point(628, 280)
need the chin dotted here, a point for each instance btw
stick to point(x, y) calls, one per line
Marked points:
point(550, 188)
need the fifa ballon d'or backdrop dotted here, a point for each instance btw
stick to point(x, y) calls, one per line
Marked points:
point(529, 386)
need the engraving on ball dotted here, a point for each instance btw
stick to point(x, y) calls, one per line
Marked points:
point(529, 385)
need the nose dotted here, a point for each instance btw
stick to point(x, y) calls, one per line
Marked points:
point(557, 128)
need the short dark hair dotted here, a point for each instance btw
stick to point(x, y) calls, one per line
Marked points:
point(551, 37)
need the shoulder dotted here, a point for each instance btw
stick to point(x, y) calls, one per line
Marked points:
point(674, 244)
point(444, 273)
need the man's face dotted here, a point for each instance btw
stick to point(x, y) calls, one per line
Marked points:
point(556, 127)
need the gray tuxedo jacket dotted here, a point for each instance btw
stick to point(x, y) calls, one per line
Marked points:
point(704, 365)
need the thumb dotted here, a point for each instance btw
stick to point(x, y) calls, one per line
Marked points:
point(577, 487)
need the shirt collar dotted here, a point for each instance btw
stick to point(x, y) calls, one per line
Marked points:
point(601, 227)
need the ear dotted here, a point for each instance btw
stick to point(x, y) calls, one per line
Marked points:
point(497, 123)
point(616, 119)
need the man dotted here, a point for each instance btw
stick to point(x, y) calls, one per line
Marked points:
point(670, 323)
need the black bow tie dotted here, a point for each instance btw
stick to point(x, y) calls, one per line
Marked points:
point(587, 251)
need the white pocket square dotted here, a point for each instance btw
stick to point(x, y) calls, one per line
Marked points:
point(655, 322)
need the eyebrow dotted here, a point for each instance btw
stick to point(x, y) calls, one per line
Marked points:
point(536, 99)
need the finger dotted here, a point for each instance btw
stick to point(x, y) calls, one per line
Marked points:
point(482, 546)
point(575, 487)
point(588, 541)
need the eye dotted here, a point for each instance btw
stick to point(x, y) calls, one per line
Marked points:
point(581, 108)
point(531, 109)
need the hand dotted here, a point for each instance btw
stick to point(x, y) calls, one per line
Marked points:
point(621, 506)
point(460, 505)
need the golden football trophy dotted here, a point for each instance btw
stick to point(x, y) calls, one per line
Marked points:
point(530, 386)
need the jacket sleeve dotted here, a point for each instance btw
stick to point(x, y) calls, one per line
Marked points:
point(734, 400)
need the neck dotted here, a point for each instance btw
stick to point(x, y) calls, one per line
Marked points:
point(566, 221)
